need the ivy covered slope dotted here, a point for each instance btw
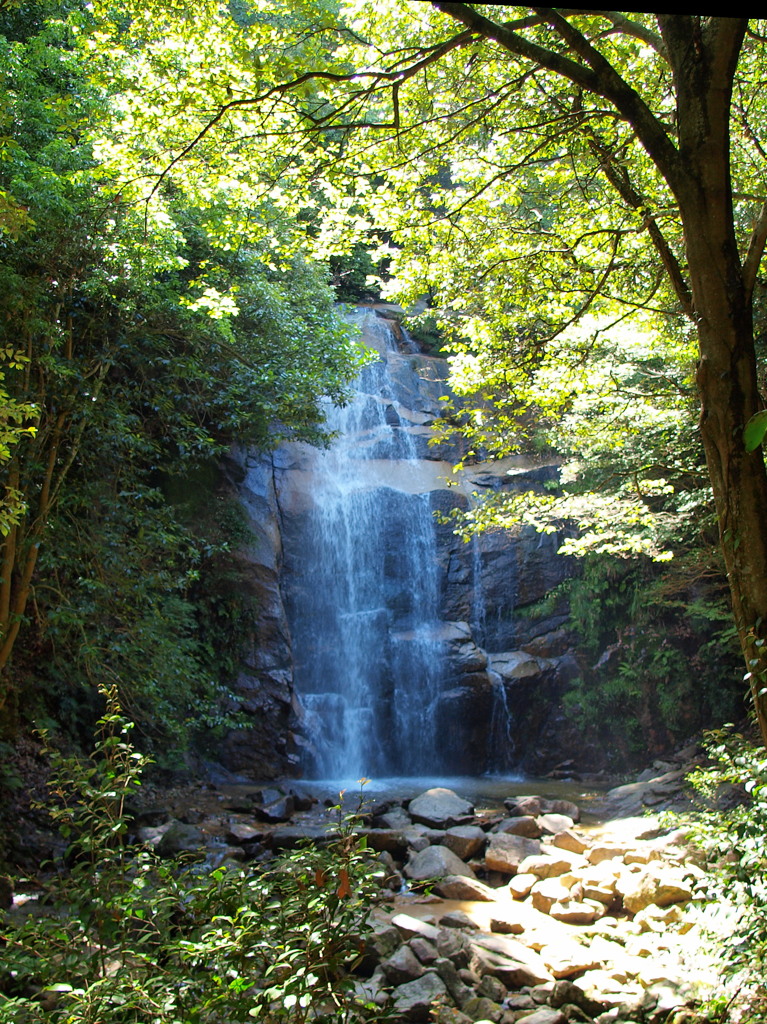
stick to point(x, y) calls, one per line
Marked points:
point(138, 340)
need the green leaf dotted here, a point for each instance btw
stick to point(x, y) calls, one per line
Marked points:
point(754, 431)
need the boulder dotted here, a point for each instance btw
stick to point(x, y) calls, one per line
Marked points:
point(181, 838)
point(643, 888)
point(544, 865)
point(566, 807)
point(385, 840)
point(464, 840)
point(552, 823)
point(521, 884)
point(506, 852)
point(545, 893)
point(448, 972)
point(409, 927)
point(414, 999)
point(402, 966)
point(524, 825)
point(568, 992)
point(440, 808)
point(395, 818)
point(240, 832)
point(509, 960)
point(435, 862)
point(457, 919)
point(524, 805)
point(576, 912)
point(504, 922)
point(544, 1015)
point(569, 840)
point(463, 887)
point(425, 951)
point(279, 810)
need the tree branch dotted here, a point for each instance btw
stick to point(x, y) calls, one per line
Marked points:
point(755, 252)
point(598, 77)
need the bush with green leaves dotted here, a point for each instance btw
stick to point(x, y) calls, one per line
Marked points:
point(659, 654)
point(732, 828)
point(123, 936)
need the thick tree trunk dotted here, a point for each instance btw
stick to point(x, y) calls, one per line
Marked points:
point(728, 393)
point(704, 62)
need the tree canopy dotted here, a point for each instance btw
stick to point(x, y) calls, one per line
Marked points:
point(520, 166)
point(579, 195)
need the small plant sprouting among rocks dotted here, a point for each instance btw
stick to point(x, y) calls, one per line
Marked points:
point(126, 938)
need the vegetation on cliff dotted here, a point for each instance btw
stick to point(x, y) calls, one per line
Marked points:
point(138, 342)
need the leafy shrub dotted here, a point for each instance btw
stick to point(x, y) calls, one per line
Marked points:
point(732, 830)
point(127, 937)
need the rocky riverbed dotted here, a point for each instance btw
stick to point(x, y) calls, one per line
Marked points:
point(518, 913)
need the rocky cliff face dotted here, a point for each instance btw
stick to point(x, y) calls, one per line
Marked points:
point(384, 644)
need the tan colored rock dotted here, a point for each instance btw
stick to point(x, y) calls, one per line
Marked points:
point(521, 884)
point(566, 958)
point(545, 893)
point(464, 840)
point(656, 919)
point(525, 825)
point(575, 912)
point(505, 852)
point(461, 887)
point(642, 853)
point(505, 923)
point(603, 851)
point(660, 888)
point(600, 884)
point(569, 840)
point(553, 823)
point(545, 866)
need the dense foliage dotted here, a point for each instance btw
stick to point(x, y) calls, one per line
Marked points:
point(521, 174)
point(126, 936)
point(731, 830)
point(140, 341)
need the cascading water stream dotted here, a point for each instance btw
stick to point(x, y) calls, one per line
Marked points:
point(364, 592)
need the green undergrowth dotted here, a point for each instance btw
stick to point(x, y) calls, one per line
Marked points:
point(731, 827)
point(658, 653)
point(121, 936)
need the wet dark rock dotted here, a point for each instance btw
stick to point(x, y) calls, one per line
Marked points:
point(181, 838)
point(425, 951)
point(414, 999)
point(402, 966)
point(481, 1008)
point(565, 992)
point(457, 988)
point(454, 945)
point(457, 919)
point(278, 810)
point(240, 832)
point(291, 836)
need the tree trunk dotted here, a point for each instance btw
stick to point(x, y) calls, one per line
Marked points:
point(721, 300)
point(728, 393)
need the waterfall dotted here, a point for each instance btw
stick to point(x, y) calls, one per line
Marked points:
point(362, 586)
